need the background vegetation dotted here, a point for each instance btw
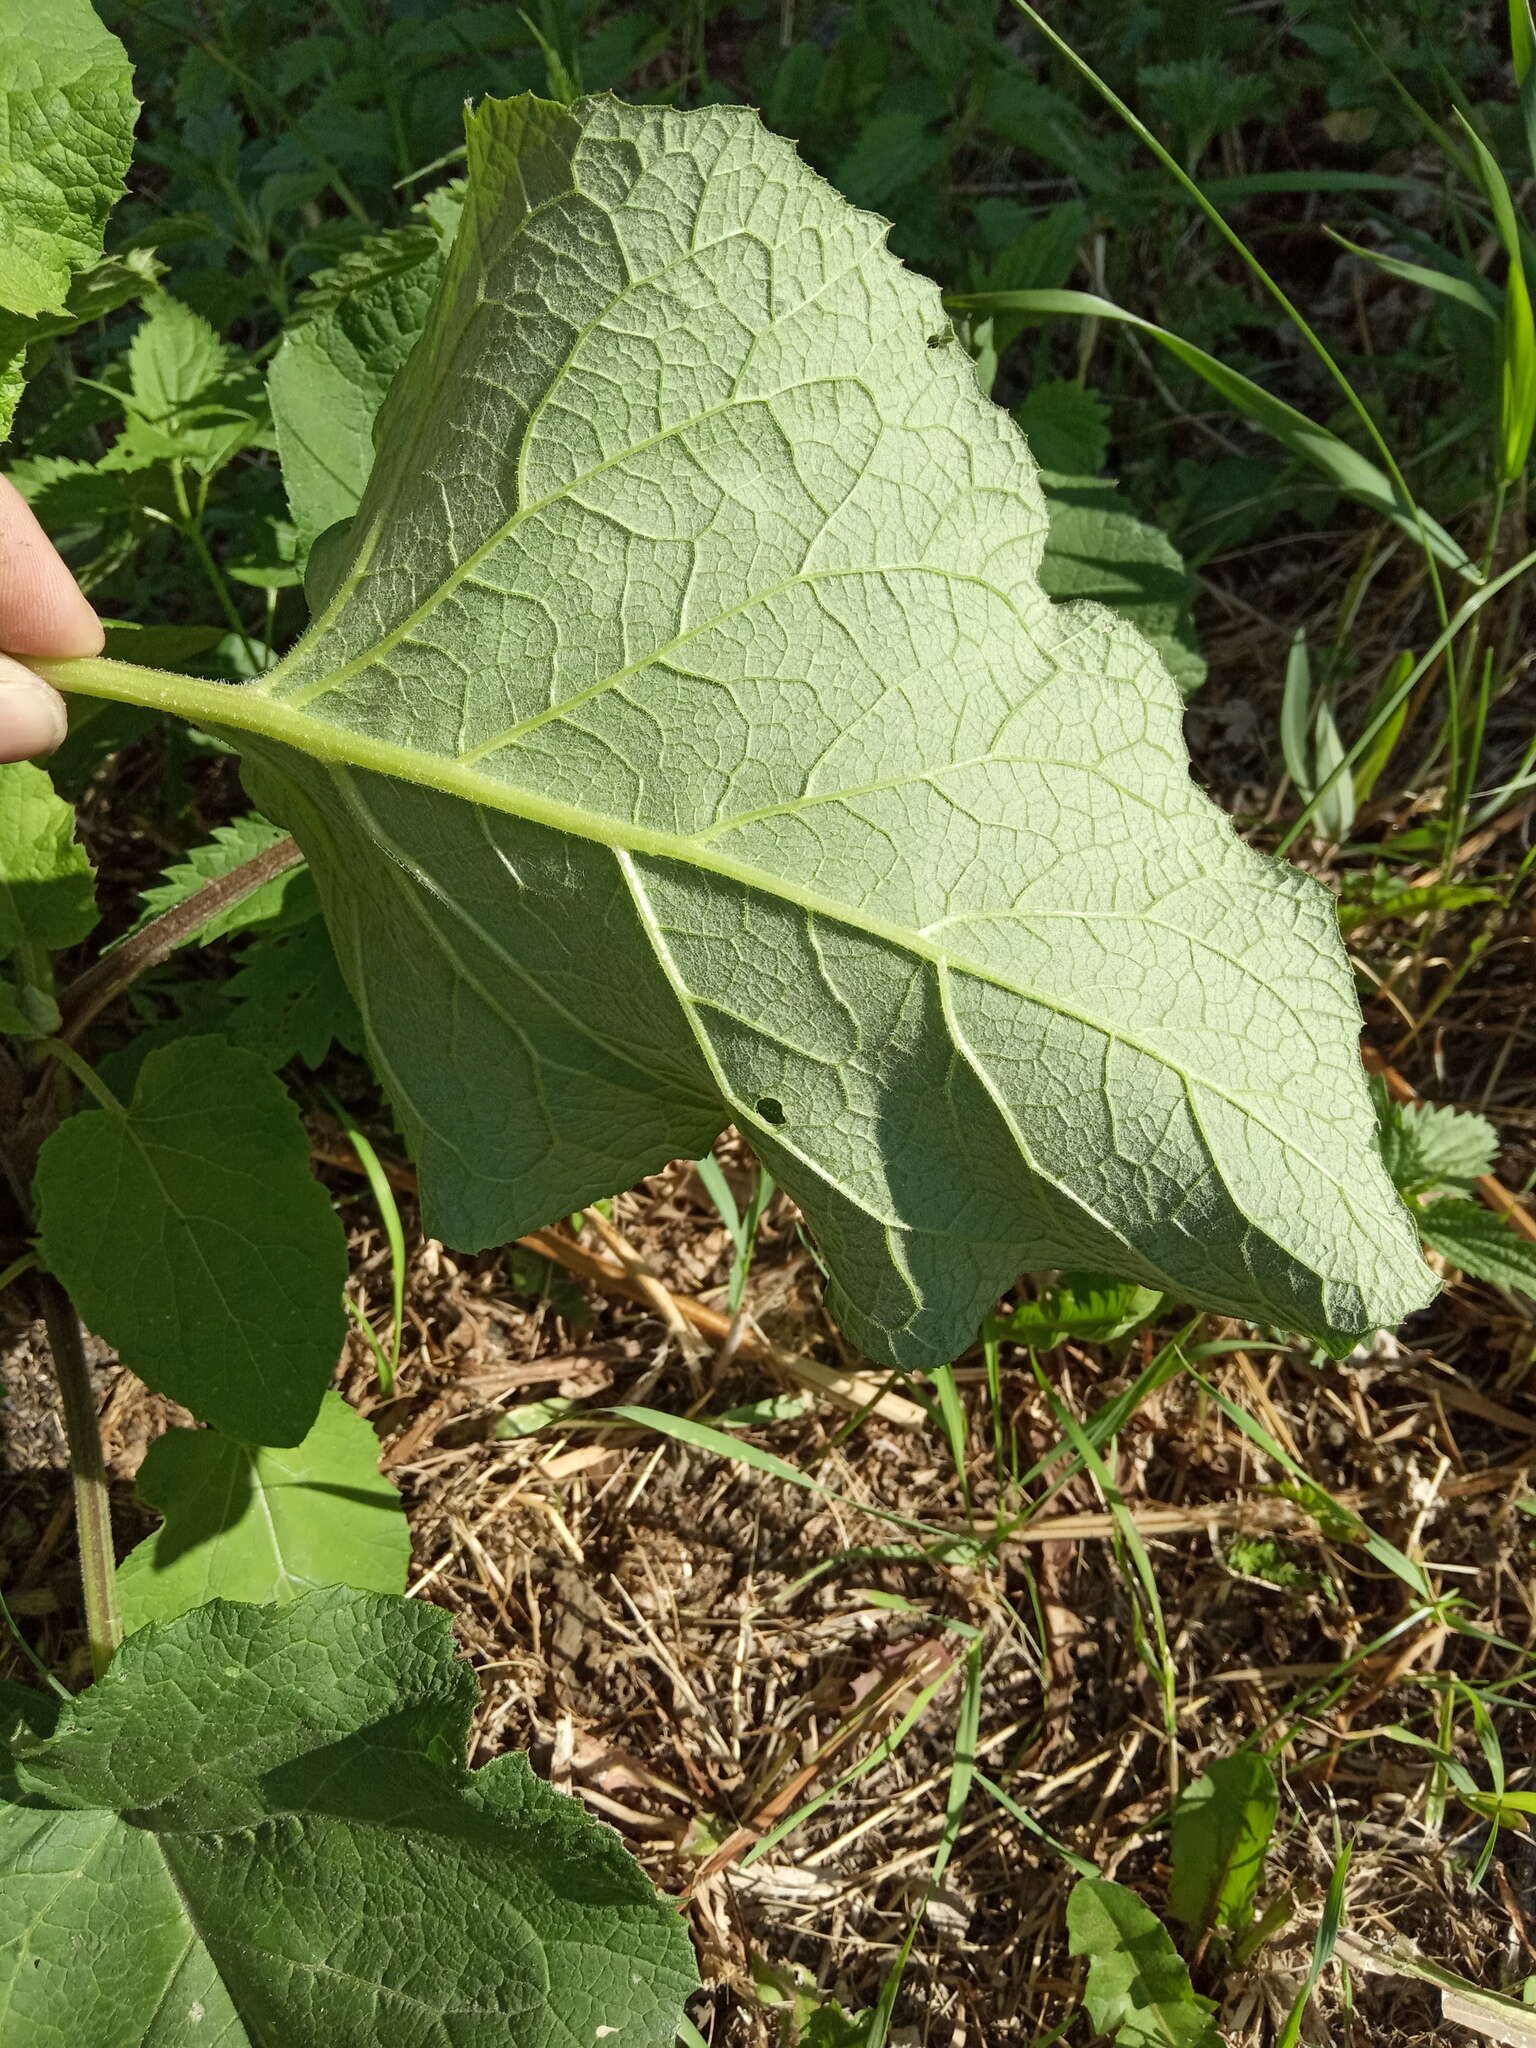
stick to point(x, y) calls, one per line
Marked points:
point(874, 1751)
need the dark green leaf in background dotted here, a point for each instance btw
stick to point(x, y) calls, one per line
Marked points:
point(196, 1241)
point(1480, 1243)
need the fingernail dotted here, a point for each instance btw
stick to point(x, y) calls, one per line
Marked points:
point(32, 716)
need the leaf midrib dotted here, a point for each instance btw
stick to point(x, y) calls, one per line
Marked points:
point(238, 709)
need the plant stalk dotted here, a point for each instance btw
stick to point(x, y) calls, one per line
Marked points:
point(93, 1510)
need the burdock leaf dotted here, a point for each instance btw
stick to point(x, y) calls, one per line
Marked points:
point(688, 739)
point(247, 1523)
point(194, 1238)
point(258, 1827)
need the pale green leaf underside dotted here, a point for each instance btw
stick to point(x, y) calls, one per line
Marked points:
point(793, 800)
point(247, 1523)
point(258, 1829)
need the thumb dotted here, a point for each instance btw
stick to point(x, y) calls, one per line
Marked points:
point(32, 719)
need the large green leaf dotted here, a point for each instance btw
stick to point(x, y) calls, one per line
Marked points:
point(192, 1234)
point(688, 738)
point(258, 1828)
point(66, 135)
point(245, 1523)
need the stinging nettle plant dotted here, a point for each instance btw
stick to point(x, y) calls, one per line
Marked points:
point(683, 736)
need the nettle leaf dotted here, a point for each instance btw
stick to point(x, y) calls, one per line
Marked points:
point(330, 376)
point(67, 115)
point(1480, 1243)
point(1086, 1308)
point(258, 1827)
point(1098, 550)
point(1138, 1991)
point(244, 1523)
point(689, 739)
point(196, 1241)
point(229, 848)
point(1066, 426)
point(47, 888)
point(1427, 1145)
point(1221, 1832)
point(289, 999)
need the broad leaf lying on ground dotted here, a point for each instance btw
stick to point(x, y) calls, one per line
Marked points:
point(66, 116)
point(1221, 1831)
point(258, 1828)
point(47, 889)
point(1138, 1992)
point(196, 1241)
point(243, 1523)
point(688, 739)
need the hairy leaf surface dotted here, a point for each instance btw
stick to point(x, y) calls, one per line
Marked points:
point(247, 1523)
point(258, 1828)
point(194, 1238)
point(792, 799)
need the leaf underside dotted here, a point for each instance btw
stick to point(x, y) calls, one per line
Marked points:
point(793, 800)
point(233, 1838)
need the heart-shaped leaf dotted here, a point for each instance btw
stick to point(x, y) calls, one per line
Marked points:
point(688, 738)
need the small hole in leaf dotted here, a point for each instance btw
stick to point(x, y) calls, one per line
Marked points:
point(770, 1109)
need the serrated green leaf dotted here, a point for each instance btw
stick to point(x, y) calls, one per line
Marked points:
point(1221, 1832)
point(1427, 1145)
point(689, 740)
point(1098, 550)
point(229, 848)
point(196, 1241)
point(1480, 1243)
point(189, 398)
point(290, 999)
point(66, 116)
point(1087, 1308)
point(47, 889)
point(258, 1828)
point(243, 1523)
point(1138, 1992)
point(333, 369)
point(1067, 428)
point(67, 109)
